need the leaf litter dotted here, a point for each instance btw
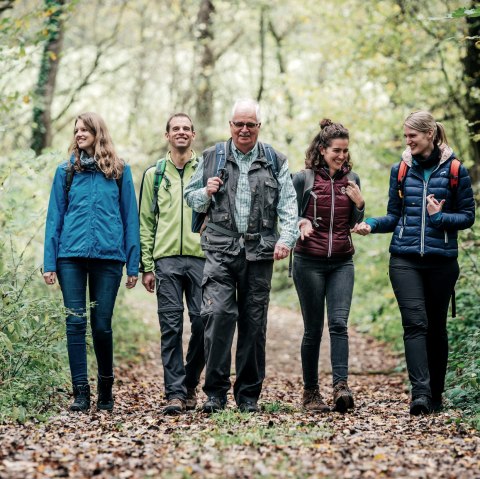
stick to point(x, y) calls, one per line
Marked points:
point(377, 439)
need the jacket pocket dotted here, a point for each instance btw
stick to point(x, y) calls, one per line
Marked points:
point(214, 242)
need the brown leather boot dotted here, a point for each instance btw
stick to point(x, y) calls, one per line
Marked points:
point(313, 401)
point(174, 406)
point(342, 397)
point(191, 399)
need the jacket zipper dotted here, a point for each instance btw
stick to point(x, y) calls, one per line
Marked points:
point(332, 211)
point(424, 209)
point(181, 215)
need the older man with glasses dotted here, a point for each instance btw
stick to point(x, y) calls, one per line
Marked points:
point(243, 202)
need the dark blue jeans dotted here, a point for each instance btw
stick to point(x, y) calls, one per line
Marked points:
point(103, 278)
point(423, 287)
point(176, 275)
point(317, 280)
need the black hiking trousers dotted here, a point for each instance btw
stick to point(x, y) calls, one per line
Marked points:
point(235, 292)
point(423, 287)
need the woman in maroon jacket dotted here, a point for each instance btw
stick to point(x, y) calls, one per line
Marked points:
point(330, 204)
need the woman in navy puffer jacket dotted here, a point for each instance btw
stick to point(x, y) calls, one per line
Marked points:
point(91, 232)
point(423, 264)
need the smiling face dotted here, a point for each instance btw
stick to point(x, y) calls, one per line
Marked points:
point(245, 136)
point(84, 137)
point(335, 155)
point(180, 134)
point(420, 143)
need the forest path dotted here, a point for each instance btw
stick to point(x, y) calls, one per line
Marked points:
point(377, 439)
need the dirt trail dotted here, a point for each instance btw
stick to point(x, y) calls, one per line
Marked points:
point(377, 439)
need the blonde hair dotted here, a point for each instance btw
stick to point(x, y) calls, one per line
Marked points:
point(423, 121)
point(104, 152)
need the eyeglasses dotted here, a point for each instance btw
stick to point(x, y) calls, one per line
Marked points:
point(241, 124)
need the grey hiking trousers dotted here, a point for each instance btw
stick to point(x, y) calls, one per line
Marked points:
point(176, 275)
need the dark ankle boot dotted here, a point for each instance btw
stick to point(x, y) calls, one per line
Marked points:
point(81, 394)
point(104, 391)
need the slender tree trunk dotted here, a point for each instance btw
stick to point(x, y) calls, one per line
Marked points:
point(206, 67)
point(471, 75)
point(45, 89)
point(283, 73)
point(262, 53)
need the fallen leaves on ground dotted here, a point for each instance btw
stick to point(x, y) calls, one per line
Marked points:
point(377, 439)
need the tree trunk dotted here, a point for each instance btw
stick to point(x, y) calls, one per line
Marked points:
point(471, 76)
point(45, 89)
point(204, 91)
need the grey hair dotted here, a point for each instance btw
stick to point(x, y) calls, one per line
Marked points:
point(247, 104)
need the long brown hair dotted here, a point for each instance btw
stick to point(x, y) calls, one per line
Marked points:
point(328, 131)
point(104, 152)
point(423, 121)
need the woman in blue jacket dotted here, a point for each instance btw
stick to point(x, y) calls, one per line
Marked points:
point(425, 214)
point(91, 232)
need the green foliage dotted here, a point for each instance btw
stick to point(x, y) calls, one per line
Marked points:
point(465, 12)
point(463, 378)
point(31, 346)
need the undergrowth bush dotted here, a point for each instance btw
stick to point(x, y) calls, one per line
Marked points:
point(32, 352)
point(463, 377)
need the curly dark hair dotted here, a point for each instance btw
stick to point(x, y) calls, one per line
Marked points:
point(328, 131)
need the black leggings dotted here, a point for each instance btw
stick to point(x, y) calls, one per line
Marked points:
point(423, 287)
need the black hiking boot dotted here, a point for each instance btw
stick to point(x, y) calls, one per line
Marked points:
point(248, 406)
point(214, 404)
point(420, 405)
point(104, 393)
point(81, 394)
point(437, 403)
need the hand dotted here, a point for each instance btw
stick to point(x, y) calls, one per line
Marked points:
point(306, 228)
point(281, 251)
point(50, 277)
point(433, 205)
point(213, 185)
point(362, 228)
point(148, 281)
point(131, 282)
point(354, 193)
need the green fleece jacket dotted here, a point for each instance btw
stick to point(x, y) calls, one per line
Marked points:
point(170, 234)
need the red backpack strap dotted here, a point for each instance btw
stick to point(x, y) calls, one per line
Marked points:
point(402, 173)
point(454, 171)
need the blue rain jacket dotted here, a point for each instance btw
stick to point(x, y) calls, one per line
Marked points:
point(99, 221)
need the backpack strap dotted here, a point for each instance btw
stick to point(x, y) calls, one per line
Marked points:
point(70, 171)
point(271, 157)
point(198, 219)
point(220, 158)
point(454, 172)
point(159, 173)
point(402, 173)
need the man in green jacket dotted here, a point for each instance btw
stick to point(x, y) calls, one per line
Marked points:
point(173, 261)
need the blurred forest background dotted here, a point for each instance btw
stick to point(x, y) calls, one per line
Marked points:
point(366, 64)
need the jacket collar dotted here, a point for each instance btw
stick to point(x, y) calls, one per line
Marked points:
point(445, 153)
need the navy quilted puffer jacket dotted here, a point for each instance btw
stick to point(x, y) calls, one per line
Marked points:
point(413, 230)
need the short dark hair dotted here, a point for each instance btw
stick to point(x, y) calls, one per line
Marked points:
point(175, 115)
